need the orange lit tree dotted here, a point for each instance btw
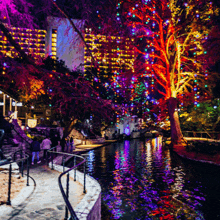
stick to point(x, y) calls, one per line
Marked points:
point(171, 36)
point(37, 83)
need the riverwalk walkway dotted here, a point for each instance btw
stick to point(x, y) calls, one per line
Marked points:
point(42, 200)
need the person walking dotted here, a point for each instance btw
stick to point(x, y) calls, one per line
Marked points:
point(5, 129)
point(54, 140)
point(35, 149)
point(46, 145)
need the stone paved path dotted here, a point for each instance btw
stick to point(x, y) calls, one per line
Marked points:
point(46, 201)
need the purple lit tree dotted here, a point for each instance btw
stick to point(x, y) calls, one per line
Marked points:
point(36, 83)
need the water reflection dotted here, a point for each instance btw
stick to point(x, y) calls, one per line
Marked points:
point(90, 160)
point(141, 180)
point(103, 158)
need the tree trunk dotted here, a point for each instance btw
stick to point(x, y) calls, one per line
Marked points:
point(176, 133)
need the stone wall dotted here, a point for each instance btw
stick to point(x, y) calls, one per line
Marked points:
point(95, 213)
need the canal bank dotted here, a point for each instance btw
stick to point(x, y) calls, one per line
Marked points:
point(198, 156)
point(82, 148)
point(141, 179)
point(179, 149)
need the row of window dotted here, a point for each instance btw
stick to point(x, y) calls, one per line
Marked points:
point(112, 66)
point(36, 35)
point(53, 45)
point(111, 56)
point(13, 53)
point(103, 37)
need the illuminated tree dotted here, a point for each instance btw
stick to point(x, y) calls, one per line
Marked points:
point(17, 13)
point(170, 36)
point(170, 43)
point(173, 34)
point(74, 97)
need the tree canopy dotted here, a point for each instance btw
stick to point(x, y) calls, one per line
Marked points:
point(171, 38)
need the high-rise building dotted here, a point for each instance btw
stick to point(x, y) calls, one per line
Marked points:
point(64, 43)
point(111, 53)
point(32, 41)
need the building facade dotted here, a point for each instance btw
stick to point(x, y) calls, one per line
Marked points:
point(112, 53)
point(31, 41)
point(64, 43)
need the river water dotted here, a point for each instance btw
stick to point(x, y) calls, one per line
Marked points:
point(143, 180)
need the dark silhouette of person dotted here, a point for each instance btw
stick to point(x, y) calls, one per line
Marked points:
point(35, 149)
point(63, 144)
point(54, 141)
point(71, 145)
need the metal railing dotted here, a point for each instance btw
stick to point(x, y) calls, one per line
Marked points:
point(65, 195)
point(23, 157)
point(202, 134)
point(12, 159)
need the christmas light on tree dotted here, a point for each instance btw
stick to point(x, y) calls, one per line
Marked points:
point(169, 37)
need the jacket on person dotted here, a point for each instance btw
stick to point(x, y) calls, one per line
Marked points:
point(46, 144)
point(71, 141)
point(35, 146)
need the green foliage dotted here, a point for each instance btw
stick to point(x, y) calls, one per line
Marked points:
point(205, 117)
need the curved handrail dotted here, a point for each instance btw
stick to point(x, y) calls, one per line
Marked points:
point(65, 195)
point(24, 157)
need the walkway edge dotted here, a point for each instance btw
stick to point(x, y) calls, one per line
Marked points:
point(19, 199)
point(89, 207)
